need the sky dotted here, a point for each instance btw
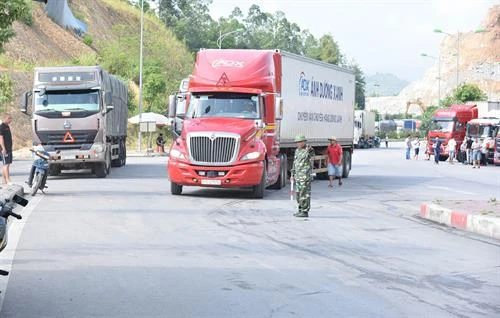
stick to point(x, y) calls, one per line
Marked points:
point(384, 36)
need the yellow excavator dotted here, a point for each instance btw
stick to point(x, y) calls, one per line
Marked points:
point(418, 102)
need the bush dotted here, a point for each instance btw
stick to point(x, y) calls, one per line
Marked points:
point(6, 90)
point(87, 39)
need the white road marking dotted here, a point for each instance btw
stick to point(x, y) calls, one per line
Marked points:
point(451, 190)
point(15, 230)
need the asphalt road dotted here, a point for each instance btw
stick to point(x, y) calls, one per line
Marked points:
point(124, 247)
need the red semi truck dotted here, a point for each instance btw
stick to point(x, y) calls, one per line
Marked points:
point(244, 108)
point(450, 122)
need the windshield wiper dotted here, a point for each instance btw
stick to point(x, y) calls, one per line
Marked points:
point(46, 110)
point(77, 108)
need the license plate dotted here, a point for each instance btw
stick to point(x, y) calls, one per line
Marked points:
point(68, 157)
point(211, 182)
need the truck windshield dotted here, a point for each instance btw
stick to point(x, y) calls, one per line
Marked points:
point(224, 105)
point(479, 131)
point(444, 126)
point(71, 101)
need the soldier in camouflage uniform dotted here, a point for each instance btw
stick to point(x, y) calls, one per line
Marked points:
point(301, 175)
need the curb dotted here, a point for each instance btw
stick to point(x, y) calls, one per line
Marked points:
point(484, 225)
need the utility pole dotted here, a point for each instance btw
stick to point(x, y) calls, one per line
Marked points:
point(139, 146)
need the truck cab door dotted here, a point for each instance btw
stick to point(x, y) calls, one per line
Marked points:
point(176, 112)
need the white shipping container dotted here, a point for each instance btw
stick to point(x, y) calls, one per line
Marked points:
point(484, 107)
point(318, 101)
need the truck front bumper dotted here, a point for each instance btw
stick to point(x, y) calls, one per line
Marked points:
point(245, 175)
point(77, 157)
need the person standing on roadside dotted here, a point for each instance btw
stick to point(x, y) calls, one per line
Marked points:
point(386, 141)
point(160, 144)
point(334, 161)
point(424, 148)
point(484, 150)
point(476, 153)
point(301, 175)
point(416, 148)
point(408, 147)
point(469, 151)
point(437, 149)
point(452, 146)
point(463, 152)
point(6, 145)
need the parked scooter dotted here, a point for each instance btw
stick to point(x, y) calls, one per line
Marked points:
point(6, 211)
point(39, 171)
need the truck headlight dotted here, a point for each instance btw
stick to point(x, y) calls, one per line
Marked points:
point(174, 153)
point(251, 156)
point(98, 148)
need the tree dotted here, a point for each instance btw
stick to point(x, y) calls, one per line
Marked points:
point(464, 93)
point(6, 90)
point(469, 92)
point(310, 45)
point(190, 21)
point(329, 50)
point(427, 119)
point(378, 117)
point(11, 11)
point(360, 83)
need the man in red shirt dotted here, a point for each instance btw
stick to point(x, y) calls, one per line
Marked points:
point(334, 152)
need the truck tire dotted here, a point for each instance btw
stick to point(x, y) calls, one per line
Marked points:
point(258, 190)
point(124, 153)
point(285, 171)
point(108, 161)
point(54, 170)
point(281, 181)
point(175, 189)
point(100, 170)
point(346, 163)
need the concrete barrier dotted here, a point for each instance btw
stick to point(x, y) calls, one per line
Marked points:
point(480, 224)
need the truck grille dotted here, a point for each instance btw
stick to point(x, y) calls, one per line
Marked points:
point(213, 149)
point(56, 137)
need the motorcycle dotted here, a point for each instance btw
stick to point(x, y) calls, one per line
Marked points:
point(6, 208)
point(39, 171)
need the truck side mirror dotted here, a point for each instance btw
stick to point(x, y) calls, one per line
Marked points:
point(109, 108)
point(108, 99)
point(172, 106)
point(24, 102)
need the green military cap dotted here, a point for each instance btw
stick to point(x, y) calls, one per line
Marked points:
point(299, 138)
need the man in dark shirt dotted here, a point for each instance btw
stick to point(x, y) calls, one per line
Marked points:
point(469, 150)
point(6, 146)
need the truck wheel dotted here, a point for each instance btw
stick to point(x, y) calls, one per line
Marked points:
point(258, 190)
point(54, 170)
point(124, 153)
point(175, 189)
point(346, 163)
point(108, 161)
point(285, 171)
point(100, 170)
